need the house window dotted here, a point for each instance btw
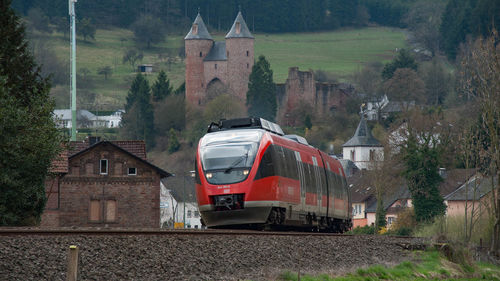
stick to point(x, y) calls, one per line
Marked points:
point(352, 155)
point(104, 166)
point(110, 210)
point(391, 220)
point(132, 171)
point(372, 154)
point(196, 214)
point(248, 53)
point(189, 214)
point(215, 66)
point(95, 211)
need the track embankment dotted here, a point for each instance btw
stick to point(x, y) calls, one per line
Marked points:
point(190, 255)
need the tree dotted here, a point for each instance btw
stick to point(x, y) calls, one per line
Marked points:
point(29, 140)
point(481, 79)
point(148, 29)
point(421, 156)
point(403, 60)
point(86, 29)
point(424, 19)
point(224, 107)
point(173, 142)
point(131, 56)
point(438, 83)
point(161, 88)
point(38, 20)
point(138, 120)
point(106, 71)
point(404, 87)
point(261, 95)
point(61, 25)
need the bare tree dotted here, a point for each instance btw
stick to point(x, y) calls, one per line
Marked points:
point(483, 82)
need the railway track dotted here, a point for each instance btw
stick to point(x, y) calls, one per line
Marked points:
point(112, 232)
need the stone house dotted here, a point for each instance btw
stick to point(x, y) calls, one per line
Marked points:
point(106, 183)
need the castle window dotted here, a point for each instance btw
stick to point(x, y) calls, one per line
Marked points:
point(248, 65)
point(215, 66)
point(201, 54)
point(248, 53)
point(227, 54)
point(195, 28)
point(202, 84)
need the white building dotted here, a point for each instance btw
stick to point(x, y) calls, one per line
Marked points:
point(363, 149)
point(173, 211)
point(87, 119)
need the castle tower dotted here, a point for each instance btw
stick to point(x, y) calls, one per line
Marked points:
point(240, 56)
point(198, 43)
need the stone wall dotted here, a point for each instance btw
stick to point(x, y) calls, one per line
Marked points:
point(301, 89)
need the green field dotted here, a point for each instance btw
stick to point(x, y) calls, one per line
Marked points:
point(339, 52)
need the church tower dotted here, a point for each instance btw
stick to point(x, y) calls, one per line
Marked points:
point(198, 43)
point(363, 149)
point(240, 56)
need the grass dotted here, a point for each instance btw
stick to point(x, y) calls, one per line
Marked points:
point(341, 52)
point(430, 265)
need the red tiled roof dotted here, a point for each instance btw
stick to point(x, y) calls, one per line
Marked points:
point(60, 163)
point(136, 147)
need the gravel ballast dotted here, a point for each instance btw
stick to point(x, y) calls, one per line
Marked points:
point(194, 257)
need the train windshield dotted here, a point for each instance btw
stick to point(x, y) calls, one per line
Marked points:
point(228, 156)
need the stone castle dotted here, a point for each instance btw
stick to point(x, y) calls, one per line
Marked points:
point(224, 67)
point(214, 65)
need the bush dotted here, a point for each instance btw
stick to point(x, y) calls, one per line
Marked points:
point(363, 230)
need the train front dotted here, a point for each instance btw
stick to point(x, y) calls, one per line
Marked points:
point(225, 167)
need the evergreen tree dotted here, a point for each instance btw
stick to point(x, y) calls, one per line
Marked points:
point(161, 88)
point(403, 60)
point(173, 142)
point(421, 158)
point(261, 95)
point(28, 137)
point(380, 215)
point(138, 120)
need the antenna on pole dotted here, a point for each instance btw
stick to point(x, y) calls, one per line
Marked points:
point(73, 67)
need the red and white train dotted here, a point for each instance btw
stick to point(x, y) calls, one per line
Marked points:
point(249, 174)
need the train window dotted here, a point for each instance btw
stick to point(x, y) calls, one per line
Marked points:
point(266, 167)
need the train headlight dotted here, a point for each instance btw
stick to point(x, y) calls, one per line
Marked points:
point(209, 175)
point(245, 172)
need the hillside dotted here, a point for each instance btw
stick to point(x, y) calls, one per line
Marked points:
point(339, 52)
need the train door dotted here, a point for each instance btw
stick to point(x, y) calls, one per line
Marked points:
point(302, 179)
point(318, 183)
point(331, 192)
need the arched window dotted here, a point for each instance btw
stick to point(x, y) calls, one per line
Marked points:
point(201, 54)
point(248, 53)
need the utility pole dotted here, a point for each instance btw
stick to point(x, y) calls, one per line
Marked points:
point(73, 67)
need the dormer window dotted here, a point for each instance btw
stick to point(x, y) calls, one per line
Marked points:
point(238, 28)
point(195, 29)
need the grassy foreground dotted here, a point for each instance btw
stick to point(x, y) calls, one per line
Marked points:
point(341, 52)
point(429, 265)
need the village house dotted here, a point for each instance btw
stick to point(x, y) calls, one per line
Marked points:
point(173, 212)
point(105, 184)
point(396, 200)
point(86, 119)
